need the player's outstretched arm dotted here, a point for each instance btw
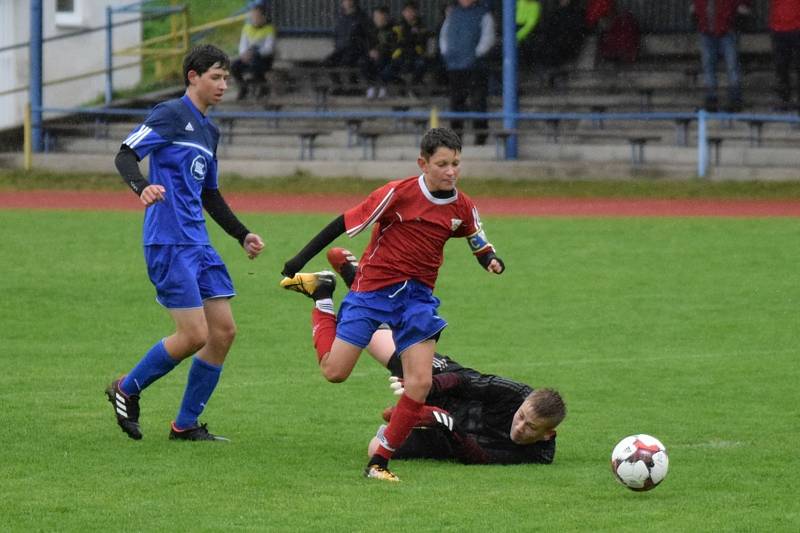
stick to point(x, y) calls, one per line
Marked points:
point(328, 234)
point(219, 210)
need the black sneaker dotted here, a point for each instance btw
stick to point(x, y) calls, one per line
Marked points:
point(198, 433)
point(126, 409)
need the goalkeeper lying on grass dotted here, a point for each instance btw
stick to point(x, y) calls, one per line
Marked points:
point(468, 416)
point(475, 418)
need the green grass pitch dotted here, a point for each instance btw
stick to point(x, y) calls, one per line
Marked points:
point(686, 329)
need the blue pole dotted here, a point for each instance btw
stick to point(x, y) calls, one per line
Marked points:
point(510, 103)
point(702, 144)
point(35, 84)
point(109, 57)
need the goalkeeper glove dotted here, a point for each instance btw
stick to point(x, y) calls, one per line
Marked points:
point(396, 384)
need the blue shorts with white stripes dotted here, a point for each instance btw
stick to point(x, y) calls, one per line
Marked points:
point(409, 308)
point(185, 275)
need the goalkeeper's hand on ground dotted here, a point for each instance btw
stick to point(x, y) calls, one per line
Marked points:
point(396, 384)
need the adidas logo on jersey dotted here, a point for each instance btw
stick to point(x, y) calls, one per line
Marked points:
point(189, 127)
point(455, 223)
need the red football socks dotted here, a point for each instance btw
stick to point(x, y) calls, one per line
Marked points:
point(403, 419)
point(323, 331)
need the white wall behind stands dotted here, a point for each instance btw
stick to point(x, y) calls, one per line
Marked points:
point(63, 57)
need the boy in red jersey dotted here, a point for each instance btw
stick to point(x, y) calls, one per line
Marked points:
point(413, 218)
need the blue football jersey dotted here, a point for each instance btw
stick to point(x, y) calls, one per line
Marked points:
point(182, 145)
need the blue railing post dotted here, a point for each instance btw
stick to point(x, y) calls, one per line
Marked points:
point(35, 85)
point(510, 103)
point(109, 56)
point(702, 143)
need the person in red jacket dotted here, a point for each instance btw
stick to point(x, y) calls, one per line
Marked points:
point(598, 11)
point(715, 23)
point(620, 36)
point(784, 22)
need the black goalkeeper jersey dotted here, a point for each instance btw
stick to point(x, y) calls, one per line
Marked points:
point(483, 406)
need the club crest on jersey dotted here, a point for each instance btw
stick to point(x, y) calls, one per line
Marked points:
point(198, 168)
point(455, 223)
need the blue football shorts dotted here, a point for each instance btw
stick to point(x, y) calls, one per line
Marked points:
point(185, 275)
point(409, 308)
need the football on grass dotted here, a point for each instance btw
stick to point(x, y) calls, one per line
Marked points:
point(640, 462)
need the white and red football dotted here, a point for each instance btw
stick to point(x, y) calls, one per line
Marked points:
point(640, 462)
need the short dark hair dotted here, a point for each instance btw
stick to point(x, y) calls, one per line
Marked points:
point(436, 138)
point(382, 9)
point(203, 57)
point(412, 4)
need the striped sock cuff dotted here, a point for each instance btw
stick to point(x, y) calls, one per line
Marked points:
point(325, 305)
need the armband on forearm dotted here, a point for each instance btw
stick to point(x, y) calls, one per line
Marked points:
point(478, 243)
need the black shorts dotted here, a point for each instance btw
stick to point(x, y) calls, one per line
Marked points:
point(426, 443)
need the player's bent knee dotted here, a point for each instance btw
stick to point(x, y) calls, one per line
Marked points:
point(224, 334)
point(332, 372)
point(334, 375)
point(418, 388)
point(194, 338)
point(195, 344)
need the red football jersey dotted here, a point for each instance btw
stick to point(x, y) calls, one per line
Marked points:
point(411, 227)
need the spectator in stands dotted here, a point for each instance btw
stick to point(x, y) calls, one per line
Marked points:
point(560, 36)
point(382, 43)
point(716, 25)
point(409, 56)
point(466, 38)
point(351, 35)
point(620, 37)
point(784, 22)
point(529, 12)
point(598, 14)
point(256, 51)
point(439, 69)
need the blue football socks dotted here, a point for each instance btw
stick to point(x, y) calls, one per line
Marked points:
point(155, 363)
point(202, 380)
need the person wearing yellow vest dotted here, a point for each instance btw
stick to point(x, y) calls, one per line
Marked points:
point(529, 12)
point(256, 50)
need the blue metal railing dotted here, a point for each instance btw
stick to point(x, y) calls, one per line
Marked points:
point(701, 117)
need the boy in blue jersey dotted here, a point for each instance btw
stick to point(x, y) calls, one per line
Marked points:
point(190, 278)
